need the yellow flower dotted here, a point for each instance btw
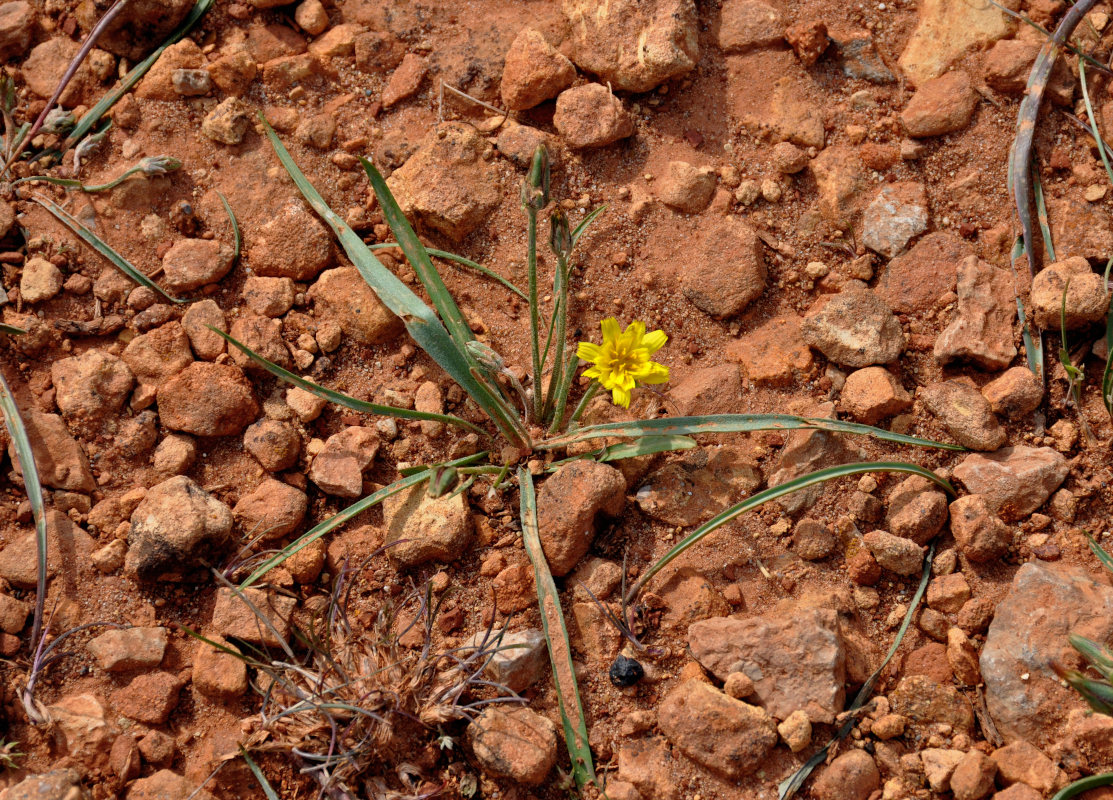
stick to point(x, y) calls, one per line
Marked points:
point(622, 361)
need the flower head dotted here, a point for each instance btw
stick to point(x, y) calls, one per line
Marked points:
point(622, 361)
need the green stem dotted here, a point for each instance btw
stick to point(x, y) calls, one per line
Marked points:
point(560, 405)
point(560, 335)
point(589, 395)
point(534, 312)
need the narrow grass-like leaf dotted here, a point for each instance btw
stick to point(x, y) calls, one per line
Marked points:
point(647, 445)
point(467, 262)
point(22, 444)
point(1084, 785)
point(11, 330)
point(103, 248)
point(556, 636)
point(264, 784)
point(1033, 346)
point(790, 785)
point(1041, 214)
point(92, 117)
point(420, 321)
point(418, 257)
point(338, 519)
point(340, 398)
point(733, 423)
point(1099, 551)
point(1099, 657)
point(236, 238)
point(580, 229)
point(1094, 121)
point(794, 485)
point(1107, 373)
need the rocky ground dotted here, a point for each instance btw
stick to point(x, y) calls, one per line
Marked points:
point(807, 196)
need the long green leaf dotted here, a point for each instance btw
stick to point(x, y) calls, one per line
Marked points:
point(1099, 551)
point(237, 240)
point(790, 785)
point(467, 262)
point(420, 321)
point(104, 249)
point(92, 117)
point(645, 446)
point(1107, 373)
point(794, 485)
point(264, 784)
point(556, 635)
point(580, 229)
point(340, 398)
point(12, 330)
point(418, 257)
point(18, 433)
point(1084, 785)
point(733, 423)
point(1041, 213)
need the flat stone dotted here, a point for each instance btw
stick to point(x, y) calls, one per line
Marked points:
point(924, 701)
point(41, 280)
point(272, 510)
point(17, 21)
point(896, 215)
point(149, 698)
point(405, 81)
point(648, 765)
point(196, 321)
point(946, 31)
point(982, 329)
point(514, 742)
point(420, 529)
point(728, 736)
point(853, 329)
point(840, 182)
point(1021, 763)
point(1045, 604)
point(446, 184)
point(69, 550)
point(1015, 481)
point(207, 400)
point(685, 187)
point(916, 510)
point(1009, 63)
point(749, 24)
point(1079, 228)
point(635, 45)
point(941, 105)
point(1014, 393)
point(728, 272)
point(59, 458)
point(774, 353)
point(343, 294)
point(517, 660)
point(939, 765)
point(272, 252)
point(796, 660)
point(57, 784)
point(895, 553)
point(710, 390)
point(166, 785)
point(130, 648)
point(217, 674)
point(156, 356)
point(234, 618)
point(965, 413)
point(853, 775)
point(91, 385)
point(980, 534)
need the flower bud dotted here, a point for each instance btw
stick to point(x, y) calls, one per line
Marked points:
point(560, 236)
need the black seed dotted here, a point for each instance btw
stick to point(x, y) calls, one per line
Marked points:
point(626, 672)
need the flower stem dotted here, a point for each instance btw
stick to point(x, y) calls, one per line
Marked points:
point(589, 395)
point(561, 327)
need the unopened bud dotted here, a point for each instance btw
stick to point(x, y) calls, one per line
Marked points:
point(560, 236)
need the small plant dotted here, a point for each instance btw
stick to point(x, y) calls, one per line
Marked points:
point(9, 754)
point(533, 418)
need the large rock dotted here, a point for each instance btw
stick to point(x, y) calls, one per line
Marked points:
point(728, 271)
point(1015, 481)
point(925, 702)
point(941, 105)
point(157, 355)
point(207, 400)
point(917, 280)
point(515, 743)
point(896, 215)
point(729, 737)
point(140, 27)
point(853, 329)
point(635, 45)
point(58, 784)
point(43, 69)
point(59, 458)
point(343, 294)
point(749, 24)
point(1009, 63)
point(947, 30)
point(590, 116)
point(1086, 300)
point(965, 413)
point(68, 552)
point(91, 385)
point(567, 505)
point(1045, 604)
point(980, 534)
point(1078, 227)
point(130, 648)
point(422, 529)
point(177, 523)
point(272, 510)
point(795, 660)
point(272, 252)
point(982, 330)
point(17, 26)
point(447, 185)
point(534, 71)
point(851, 776)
